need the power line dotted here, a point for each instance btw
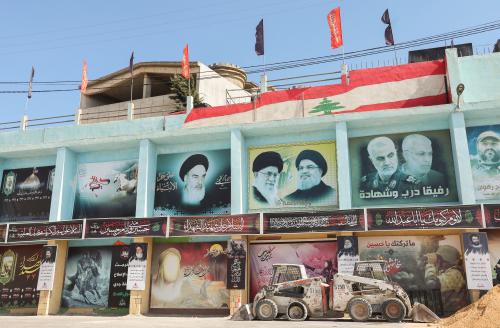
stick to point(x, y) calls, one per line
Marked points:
point(294, 63)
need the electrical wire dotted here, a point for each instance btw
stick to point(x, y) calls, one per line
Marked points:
point(285, 64)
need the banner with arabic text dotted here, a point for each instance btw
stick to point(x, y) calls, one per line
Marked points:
point(47, 268)
point(19, 266)
point(347, 254)
point(236, 264)
point(477, 260)
point(106, 190)
point(351, 220)
point(215, 225)
point(422, 264)
point(404, 168)
point(189, 276)
point(193, 183)
point(137, 263)
point(144, 227)
point(425, 217)
point(318, 258)
point(65, 230)
point(26, 194)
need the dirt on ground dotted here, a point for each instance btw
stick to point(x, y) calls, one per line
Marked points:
point(484, 313)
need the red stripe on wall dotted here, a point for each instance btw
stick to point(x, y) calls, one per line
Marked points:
point(423, 101)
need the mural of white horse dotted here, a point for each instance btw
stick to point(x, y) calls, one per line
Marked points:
point(124, 184)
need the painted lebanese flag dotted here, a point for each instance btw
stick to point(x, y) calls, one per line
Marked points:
point(392, 87)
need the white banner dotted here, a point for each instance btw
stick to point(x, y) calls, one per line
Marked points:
point(47, 268)
point(347, 254)
point(477, 261)
point(136, 276)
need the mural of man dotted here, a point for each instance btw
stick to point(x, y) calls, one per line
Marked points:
point(266, 169)
point(384, 157)
point(487, 162)
point(417, 152)
point(193, 172)
point(311, 167)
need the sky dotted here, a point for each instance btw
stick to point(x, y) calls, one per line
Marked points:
point(55, 36)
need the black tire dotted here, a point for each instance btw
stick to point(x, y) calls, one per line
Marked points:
point(359, 309)
point(266, 310)
point(297, 312)
point(393, 310)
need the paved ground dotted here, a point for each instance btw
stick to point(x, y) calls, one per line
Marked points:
point(178, 322)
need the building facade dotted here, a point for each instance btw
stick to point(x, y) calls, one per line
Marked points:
point(393, 163)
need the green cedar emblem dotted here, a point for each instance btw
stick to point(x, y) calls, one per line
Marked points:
point(326, 106)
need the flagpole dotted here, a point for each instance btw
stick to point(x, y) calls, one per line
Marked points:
point(131, 85)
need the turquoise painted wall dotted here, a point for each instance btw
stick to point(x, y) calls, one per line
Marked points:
point(145, 139)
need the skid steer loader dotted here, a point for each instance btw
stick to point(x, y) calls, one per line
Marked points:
point(368, 292)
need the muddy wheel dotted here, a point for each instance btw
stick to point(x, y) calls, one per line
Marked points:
point(297, 312)
point(266, 310)
point(359, 309)
point(393, 310)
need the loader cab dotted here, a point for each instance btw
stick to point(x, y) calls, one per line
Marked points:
point(371, 269)
point(287, 272)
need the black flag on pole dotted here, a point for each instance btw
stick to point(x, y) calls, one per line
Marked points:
point(389, 38)
point(30, 84)
point(259, 38)
point(131, 65)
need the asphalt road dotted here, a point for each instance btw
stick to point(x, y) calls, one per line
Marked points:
point(179, 322)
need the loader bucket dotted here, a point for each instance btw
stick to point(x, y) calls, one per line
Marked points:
point(421, 313)
point(243, 313)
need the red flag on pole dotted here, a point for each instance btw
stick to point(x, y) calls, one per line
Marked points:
point(185, 62)
point(85, 80)
point(335, 28)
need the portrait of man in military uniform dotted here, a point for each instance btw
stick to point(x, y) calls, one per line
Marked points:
point(384, 157)
point(402, 168)
point(485, 160)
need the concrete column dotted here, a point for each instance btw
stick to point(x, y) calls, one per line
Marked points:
point(343, 167)
point(146, 86)
point(64, 186)
point(239, 178)
point(453, 74)
point(146, 179)
point(238, 297)
point(139, 299)
point(189, 104)
point(461, 159)
point(50, 301)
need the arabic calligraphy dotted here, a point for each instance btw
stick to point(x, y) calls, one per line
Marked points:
point(165, 182)
point(96, 183)
point(198, 270)
point(200, 225)
point(23, 232)
point(313, 221)
point(408, 193)
point(120, 228)
point(426, 217)
point(394, 243)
